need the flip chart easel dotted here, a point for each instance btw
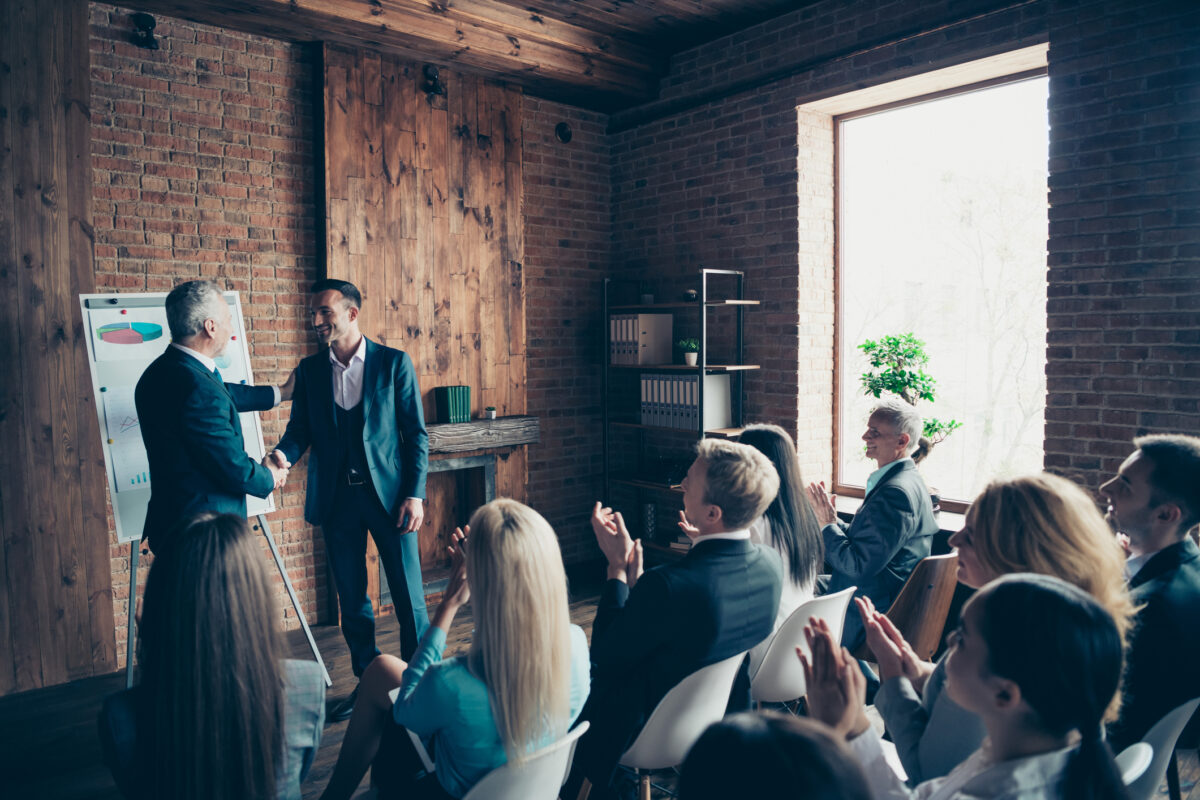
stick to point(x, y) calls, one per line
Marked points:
point(125, 333)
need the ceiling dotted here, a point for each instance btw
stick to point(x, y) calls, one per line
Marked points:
point(605, 55)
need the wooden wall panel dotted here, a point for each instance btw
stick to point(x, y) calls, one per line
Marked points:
point(424, 216)
point(56, 620)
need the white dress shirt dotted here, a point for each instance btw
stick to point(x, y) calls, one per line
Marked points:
point(211, 366)
point(348, 378)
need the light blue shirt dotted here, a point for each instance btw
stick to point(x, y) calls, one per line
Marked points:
point(443, 703)
point(874, 477)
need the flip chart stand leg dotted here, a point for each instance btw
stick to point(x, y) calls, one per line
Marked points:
point(131, 625)
point(262, 523)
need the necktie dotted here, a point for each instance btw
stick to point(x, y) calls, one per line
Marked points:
point(217, 375)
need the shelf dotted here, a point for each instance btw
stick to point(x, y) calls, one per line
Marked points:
point(685, 304)
point(716, 433)
point(662, 549)
point(686, 368)
point(661, 487)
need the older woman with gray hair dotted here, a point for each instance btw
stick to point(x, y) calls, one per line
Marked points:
point(894, 526)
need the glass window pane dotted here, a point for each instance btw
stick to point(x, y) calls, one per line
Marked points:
point(942, 230)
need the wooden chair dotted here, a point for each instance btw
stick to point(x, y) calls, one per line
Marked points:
point(919, 611)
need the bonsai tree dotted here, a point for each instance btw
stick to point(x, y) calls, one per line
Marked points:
point(897, 367)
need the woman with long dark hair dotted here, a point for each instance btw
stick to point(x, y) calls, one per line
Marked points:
point(1039, 660)
point(218, 713)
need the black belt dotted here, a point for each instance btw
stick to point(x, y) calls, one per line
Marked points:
point(355, 478)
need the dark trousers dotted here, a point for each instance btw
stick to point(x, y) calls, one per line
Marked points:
point(397, 771)
point(357, 510)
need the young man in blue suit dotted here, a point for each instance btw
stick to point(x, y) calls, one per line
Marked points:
point(189, 419)
point(1154, 501)
point(892, 529)
point(357, 405)
point(652, 630)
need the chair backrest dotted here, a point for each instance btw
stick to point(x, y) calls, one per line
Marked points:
point(682, 715)
point(539, 778)
point(1162, 738)
point(1133, 761)
point(780, 678)
point(920, 610)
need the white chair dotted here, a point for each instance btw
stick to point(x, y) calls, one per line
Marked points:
point(681, 716)
point(539, 778)
point(780, 678)
point(1161, 738)
point(1133, 761)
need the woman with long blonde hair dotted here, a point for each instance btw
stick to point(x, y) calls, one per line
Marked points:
point(518, 688)
point(1039, 523)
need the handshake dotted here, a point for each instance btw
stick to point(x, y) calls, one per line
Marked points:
point(278, 464)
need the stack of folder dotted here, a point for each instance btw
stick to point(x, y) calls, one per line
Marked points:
point(639, 338)
point(452, 403)
point(673, 401)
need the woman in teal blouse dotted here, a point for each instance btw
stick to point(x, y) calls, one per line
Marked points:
point(520, 686)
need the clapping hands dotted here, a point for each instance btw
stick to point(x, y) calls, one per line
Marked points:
point(837, 689)
point(623, 554)
point(458, 589)
point(822, 503)
point(895, 656)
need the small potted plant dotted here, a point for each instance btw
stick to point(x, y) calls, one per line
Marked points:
point(690, 349)
point(489, 412)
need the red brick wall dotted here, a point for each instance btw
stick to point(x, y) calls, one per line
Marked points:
point(203, 162)
point(1124, 250)
point(568, 230)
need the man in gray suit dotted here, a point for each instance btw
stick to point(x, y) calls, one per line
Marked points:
point(894, 526)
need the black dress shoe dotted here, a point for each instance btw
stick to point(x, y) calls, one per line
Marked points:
point(340, 712)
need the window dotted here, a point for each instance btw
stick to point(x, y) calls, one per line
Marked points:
point(941, 232)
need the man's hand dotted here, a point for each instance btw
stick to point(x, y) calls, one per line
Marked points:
point(278, 473)
point(614, 540)
point(277, 458)
point(822, 503)
point(410, 515)
point(836, 687)
point(688, 528)
point(288, 387)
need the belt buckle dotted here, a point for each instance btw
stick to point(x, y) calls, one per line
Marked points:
point(355, 478)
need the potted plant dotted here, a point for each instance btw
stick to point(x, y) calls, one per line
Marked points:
point(489, 412)
point(897, 367)
point(691, 350)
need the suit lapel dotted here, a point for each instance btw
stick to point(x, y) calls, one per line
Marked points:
point(1164, 561)
point(372, 377)
point(322, 391)
point(193, 363)
point(887, 476)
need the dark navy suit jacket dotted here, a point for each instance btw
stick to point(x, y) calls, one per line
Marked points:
point(877, 551)
point(194, 445)
point(718, 601)
point(394, 435)
point(1165, 645)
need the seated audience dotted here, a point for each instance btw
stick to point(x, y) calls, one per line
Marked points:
point(893, 527)
point(1154, 501)
point(219, 712)
point(518, 689)
point(653, 630)
point(771, 755)
point(1037, 523)
point(1038, 660)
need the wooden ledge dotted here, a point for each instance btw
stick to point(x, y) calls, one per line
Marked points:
point(483, 434)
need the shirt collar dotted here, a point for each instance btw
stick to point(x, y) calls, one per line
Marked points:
point(203, 359)
point(360, 354)
point(874, 477)
point(732, 535)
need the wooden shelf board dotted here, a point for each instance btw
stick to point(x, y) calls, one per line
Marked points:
point(685, 304)
point(686, 368)
point(661, 487)
point(662, 549)
point(716, 433)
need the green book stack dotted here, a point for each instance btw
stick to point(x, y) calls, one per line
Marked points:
point(452, 403)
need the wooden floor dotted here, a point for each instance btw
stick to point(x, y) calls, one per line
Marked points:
point(49, 748)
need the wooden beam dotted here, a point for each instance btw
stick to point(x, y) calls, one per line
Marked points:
point(546, 56)
point(483, 434)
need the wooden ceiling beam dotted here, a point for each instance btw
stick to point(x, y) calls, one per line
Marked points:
point(544, 55)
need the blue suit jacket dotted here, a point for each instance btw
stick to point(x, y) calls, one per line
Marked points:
point(1164, 646)
point(393, 429)
point(877, 551)
point(193, 439)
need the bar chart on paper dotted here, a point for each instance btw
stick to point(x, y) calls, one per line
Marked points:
point(130, 464)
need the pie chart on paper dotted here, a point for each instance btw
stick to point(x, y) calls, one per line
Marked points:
point(129, 332)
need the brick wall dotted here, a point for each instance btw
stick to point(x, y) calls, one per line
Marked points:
point(568, 231)
point(204, 168)
point(723, 172)
point(1124, 250)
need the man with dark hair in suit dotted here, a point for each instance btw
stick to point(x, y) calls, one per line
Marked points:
point(892, 529)
point(357, 405)
point(1154, 500)
point(189, 419)
point(652, 630)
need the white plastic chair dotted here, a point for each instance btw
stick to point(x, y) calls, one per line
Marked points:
point(1162, 739)
point(539, 778)
point(780, 678)
point(1133, 761)
point(681, 716)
